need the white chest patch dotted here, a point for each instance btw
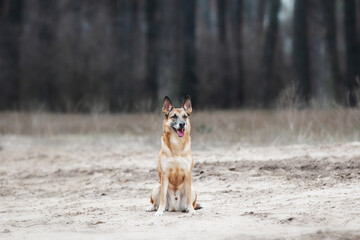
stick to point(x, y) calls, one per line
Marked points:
point(177, 162)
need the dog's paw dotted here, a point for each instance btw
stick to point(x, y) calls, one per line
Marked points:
point(192, 211)
point(159, 213)
point(150, 209)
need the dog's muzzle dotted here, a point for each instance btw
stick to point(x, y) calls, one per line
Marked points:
point(180, 132)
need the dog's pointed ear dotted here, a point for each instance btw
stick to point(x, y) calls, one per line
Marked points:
point(167, 106)
point(187, 105)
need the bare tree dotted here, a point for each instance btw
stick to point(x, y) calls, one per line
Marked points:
point(169, 50)
point(352, 51)
point(301, 58)
point(120, 87)
point(268, 59)
point(328, 7)
point(47, 20)
point(189, 83)
point(133, 37)
point(237, 26)
point(151, 82)
point(11, 16)
point(260, 14)
point(226, 84)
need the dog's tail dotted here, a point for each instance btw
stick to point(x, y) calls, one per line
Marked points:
point(198, 206)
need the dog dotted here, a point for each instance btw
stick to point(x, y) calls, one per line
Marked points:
point(175, 163)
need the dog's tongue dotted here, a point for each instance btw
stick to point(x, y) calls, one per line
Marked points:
point(180, 132)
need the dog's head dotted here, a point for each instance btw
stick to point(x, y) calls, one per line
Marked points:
point(177, 119)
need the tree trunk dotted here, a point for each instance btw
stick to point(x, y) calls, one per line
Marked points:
point(46, 34)
point(260, 13)
point(358, 23)
point(11, 14)
point(169, 40)
point(301, 58)
point(320, 72)
point(268, 58)
point(227, 88)
point(120, 77)
point(237, 26)
point(132, 40)
point(328, 7)
point(151, 83)
point(352, 51)
point(189, 85)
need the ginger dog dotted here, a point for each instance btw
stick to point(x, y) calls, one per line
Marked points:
point(175, 163)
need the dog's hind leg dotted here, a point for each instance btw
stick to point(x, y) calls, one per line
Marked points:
point(190, 195)
point(196, 205)
point(154, 199)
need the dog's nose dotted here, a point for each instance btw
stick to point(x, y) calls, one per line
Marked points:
point(182, 125)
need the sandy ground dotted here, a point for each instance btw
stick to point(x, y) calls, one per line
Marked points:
point(97, 187)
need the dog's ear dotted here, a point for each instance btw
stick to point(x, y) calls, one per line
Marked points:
point(167, 106)
point(187, 105)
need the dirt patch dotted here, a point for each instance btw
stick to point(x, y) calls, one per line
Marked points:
point(99, 187)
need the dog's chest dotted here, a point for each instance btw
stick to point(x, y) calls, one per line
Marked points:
point(177, 164)
point(176, 169)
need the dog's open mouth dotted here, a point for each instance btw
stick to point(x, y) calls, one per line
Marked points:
point(180, 132)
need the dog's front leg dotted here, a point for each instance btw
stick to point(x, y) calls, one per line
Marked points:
point(189, 205)
point(164, 187)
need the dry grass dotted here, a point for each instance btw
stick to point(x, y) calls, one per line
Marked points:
point(253, 127)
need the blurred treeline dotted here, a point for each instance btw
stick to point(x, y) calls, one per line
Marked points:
point(125, 55)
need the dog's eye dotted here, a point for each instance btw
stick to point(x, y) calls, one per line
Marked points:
point(174, 117)
point(185, 117)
